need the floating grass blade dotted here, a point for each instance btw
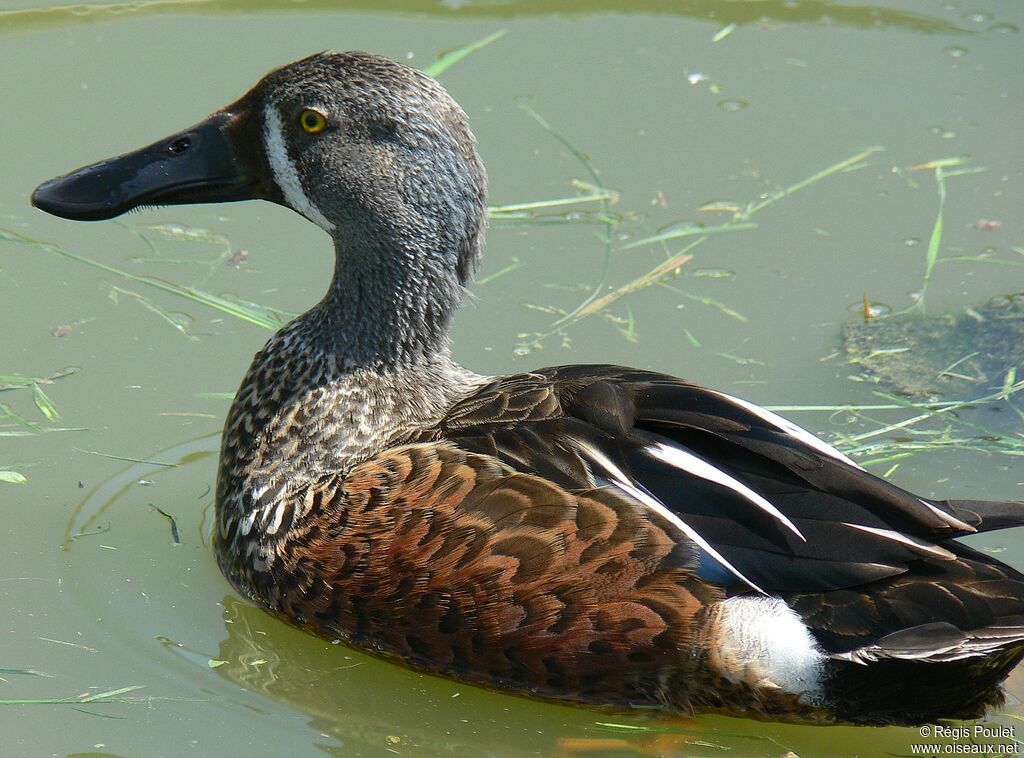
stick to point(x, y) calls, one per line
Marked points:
point(516, 263)
point(44, 404)
point(7, 432)
point(7, 412)
point(25, 672)
point(12, 477)
point(582, 157)
point(20, 381)
point(448, 59)
point(932, 259)
point(23, 427)
point(126, 458)
point(985, 439)
point(793, 188)
point(666, 268)
point(514, 208)
point(935, 240)
point(216, 395)
point(175, 537)
point(110, 696)
point(623, 727)
point(584, 308)
point(691, 232)
point(598, 299)
point(246, 311)
point(710, 301)
point(724, 32)
point(889, 451)
point(851, 407)
point(982, 259)
point(532, 212)
point(957, 431)
point(178, 321)
point(15, 381)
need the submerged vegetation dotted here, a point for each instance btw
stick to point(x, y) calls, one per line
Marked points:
point(15, 424)
point(86, 698)
point(616, 227)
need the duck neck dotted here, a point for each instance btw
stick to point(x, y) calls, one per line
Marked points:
point(366, 368)
point(387, 308)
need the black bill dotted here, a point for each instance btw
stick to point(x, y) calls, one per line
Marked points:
point(198, 165)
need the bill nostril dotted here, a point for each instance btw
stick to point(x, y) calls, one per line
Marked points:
point(180, 145)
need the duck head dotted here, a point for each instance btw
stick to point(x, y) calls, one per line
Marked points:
point(374, 152)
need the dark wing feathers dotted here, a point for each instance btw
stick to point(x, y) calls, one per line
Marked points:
point(702, 498)
point(733, 435)
point(621, 412)
point(988, 515)
point(585, 427)
point(975, 594)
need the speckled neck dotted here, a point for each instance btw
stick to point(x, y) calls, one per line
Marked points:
point(303, 411)
point(365, 368)
point(388, 307)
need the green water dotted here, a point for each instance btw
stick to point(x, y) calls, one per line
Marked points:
point(97, 593)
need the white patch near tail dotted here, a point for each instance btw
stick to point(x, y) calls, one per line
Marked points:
point(762, 641)
point(285, 174)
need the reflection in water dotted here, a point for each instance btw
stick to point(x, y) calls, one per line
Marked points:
point(87, 517)
point(359, 705)
point(364, 705)
point(860, 16)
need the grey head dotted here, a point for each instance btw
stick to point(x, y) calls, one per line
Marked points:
point(366, 147)
point(374, 152)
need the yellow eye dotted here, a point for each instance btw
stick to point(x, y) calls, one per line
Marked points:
point(313, 122)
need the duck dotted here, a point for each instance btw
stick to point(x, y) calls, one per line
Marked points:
point(591, 534)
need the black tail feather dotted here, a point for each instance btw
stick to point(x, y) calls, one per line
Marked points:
point(989, 515)
point(906, 692)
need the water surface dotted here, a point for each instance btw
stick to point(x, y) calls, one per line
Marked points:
point(99, 594)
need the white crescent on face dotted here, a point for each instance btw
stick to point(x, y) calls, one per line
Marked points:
point(285, 174)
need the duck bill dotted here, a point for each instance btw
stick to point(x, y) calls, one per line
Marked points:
point(198, 165)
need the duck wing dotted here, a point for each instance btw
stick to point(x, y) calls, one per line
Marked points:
point(768, 507)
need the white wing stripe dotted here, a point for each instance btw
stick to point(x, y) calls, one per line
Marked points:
point(622, 481)
point(953, 521)
point(789, 427)
point(905, 539)
point(694, 464)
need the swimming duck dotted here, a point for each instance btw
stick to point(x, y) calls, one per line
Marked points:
point(591, 534)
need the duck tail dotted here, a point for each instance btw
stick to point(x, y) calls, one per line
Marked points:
point(988, 515)
point(907, 692)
